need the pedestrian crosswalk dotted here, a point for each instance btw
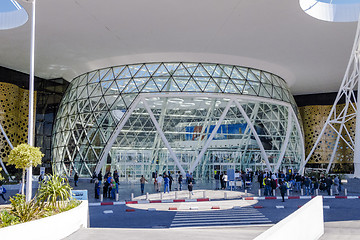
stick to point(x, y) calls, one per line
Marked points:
point(242, 216)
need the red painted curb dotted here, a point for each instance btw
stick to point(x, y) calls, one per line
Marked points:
point(130, 210)
point(215, 207)
point(258, 206)
point(249, 198)
point(155, 201)
point(131, 202)
point(202, 199)
point(270, 197)
point(179, 200)
point(107, 203)
point(344, 197)
point(172, 208)
point(300, 206)
point(293, 197)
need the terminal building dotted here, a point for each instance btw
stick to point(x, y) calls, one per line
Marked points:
point(243, 86)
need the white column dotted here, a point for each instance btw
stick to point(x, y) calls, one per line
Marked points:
point(203, 150)
point(31, 102)
point(286, 141)
point(162, 135)
point(263, 153)
point(116, 132)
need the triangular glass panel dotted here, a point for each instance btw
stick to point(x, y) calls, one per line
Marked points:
point(106, 74)
point(236, 74)
point(171, 67)
point(109, 99)
point(212, 87)
point(118, 104)
point(230, 88)
point(275, 80)
point(181, 82)
point(160, 82)
point(143, 72)
point(200, 72)
point(190, 67)
point(112, 89)
point(131, 87)
point(121, 84)
point(227, 69)
point(97, 90)
point(252, 76)
point(191, 86)
point(150, 87)
point(83, 80)
point(248, 90)
point(161, 71)
point(210, 68)
point(286, 96)
point(140, 82)
point(268, 87)
point(221, 82)
point(93, 77)
point(151, 67)
point(219, 73)
point(171, 86)
point(202, 82)
point(263, 91)
point(125, 73)
point(243, 71)
point(117, 71)
point(134, 69)
point(105, 85)
point(181, 72)
point(277, 93)
point(129, 99)
point(255, 86)
point(265, 77)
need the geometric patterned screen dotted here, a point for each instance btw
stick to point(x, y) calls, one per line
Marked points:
point(314, 118)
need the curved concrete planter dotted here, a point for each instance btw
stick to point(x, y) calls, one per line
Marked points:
point(54, 227)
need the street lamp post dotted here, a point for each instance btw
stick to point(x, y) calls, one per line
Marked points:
point(31, 99)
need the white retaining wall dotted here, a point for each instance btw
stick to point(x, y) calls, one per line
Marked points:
point(305, 223)
point(54, 227)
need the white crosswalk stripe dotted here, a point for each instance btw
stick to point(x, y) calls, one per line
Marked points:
point(241, 216)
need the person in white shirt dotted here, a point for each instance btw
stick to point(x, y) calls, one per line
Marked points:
point(159, 181)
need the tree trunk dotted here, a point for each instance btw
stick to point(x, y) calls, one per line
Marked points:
point(23, 182)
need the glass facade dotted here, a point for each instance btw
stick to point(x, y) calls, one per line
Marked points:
point(196, 117)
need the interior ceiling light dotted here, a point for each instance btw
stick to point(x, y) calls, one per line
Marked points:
point(332, 10)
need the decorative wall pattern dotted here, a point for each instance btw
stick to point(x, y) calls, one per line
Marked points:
point(14, 107)
point(314, 118)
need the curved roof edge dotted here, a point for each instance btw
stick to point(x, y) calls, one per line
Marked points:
point(332, 11)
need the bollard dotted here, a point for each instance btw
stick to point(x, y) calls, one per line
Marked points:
point(317, 192)
point(161, 195)
point(259, 192)
point(274, 193)
point(147, 196)
point(331, 192)
point(101, 197)
point(225, 195)
point(132, 196)
point(246, 193)
point(302, 192)
point(345, 191)
point(117, 197)
point(204, 194)
point(288, 192)
point(176, 195)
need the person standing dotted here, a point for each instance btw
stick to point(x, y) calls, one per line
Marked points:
point(166, 183)
point(170, 180)
point(217, 180)
point(222, 180)
point(283, 190)
point(225, 179)
point(159, 181)
point(336, 185)
point(116, 176)
point(328, 183)
point(76, 179)
point(97, 188)
point(142, 183)
point(180, 181)
point(190, 187)
point(307, 185)
point(2, 192)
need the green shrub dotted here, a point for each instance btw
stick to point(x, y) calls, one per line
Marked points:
point(7, 219)
point(55, 191)
point(26, 211)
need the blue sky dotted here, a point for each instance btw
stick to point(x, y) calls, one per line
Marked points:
point(8, 5)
